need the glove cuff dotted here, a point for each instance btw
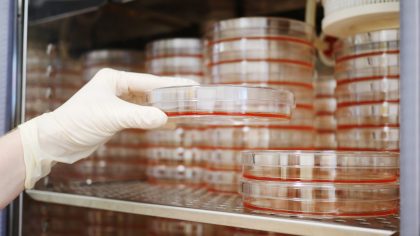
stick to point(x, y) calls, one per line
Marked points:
point(37, 163)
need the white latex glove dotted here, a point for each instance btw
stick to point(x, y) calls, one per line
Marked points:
point(88, 119)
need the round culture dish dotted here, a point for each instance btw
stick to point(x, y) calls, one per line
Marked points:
point(320, 200)
point(321, 166)
point(367, 74)
point(325, 123)
point(176, 174)
point(325, 105)
point(380, 36)
point(174, 156)
point(262, 72)
point(175, 65)
point(369, 139)
point(367, 114)
point(221, 104)
point(261, 27)
point(260, 137)
point(223, 159)
point(377, 59)
point(222, 181)
point(325, 86)
point(182, 47)
point(249, 49)
point(369, 90)
point(325, 140)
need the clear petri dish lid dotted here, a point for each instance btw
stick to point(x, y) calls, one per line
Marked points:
point(321, 166)
point(175, 47)
point(379, 36)
point(366, 49)
point(379, 84)
point(276, 189)
point(325, 87)
point(370, 73)
point(374, 98)
point(113, 55)
point(384, 133)
point(335, 159)
point(260, 26)
point(215, 104)
point(320, 200)
point(221, 177)
point(376, 59)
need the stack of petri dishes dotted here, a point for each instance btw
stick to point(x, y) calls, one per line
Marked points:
point(125, 60)
point(174, 156)
point(321, 184)
point(176, 57)
point(260, 52)
point(67, 79)
point(367, 74)
point(39, 81)
point(325, 105)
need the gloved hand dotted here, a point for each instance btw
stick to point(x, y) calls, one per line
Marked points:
point(90, 118)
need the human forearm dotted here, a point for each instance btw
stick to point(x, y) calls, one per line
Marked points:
point(12, 167)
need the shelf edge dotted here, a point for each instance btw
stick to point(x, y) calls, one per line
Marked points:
point(256, 222)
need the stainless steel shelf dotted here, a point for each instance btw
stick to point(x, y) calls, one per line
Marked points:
point(201, 206)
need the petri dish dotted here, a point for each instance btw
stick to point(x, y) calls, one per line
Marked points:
point(370, 90)
point(113, 56)
point(246, 27)
point(181, 47)
point(383, 138)
point(130, 138)
point(326, 105)
point(34, 92)
point(380, 36)
point(325, 123)
point(174, 156)
point(325, 140)
point(260, 137)
point(342, 54)
point(375, 59)
point(179, 137)
point(122, 153)
point(321, 166)
point(249, 49)
point(223, 159)
point(262, 72)
point(346, 99)
point(324, 86)
point(222, 181)
point(175, 65)
point(219, 104)
point(90, 71)
point(368, 113)
point(320, 200)
point(367, 74)
point(175, 175)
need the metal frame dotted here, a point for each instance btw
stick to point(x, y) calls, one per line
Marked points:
point(15, 212)
point(410, 117)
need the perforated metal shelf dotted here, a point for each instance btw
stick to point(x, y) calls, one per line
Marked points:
point(202, 206)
